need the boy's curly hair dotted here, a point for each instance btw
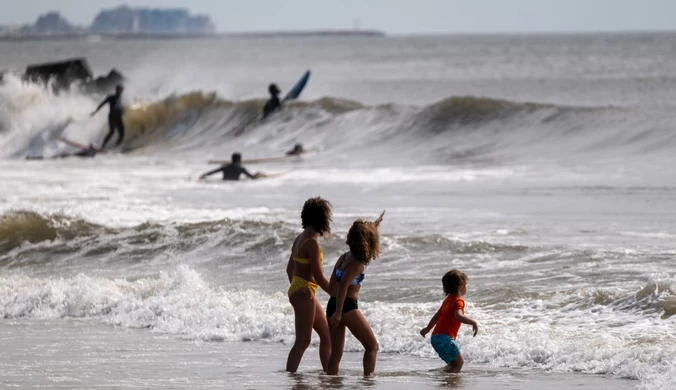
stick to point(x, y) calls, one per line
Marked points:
point(364, 240)
point(317, 213)
point(452, 281)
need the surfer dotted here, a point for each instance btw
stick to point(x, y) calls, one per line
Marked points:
point(233, 170)
point(114, 116)
point(296, 151)
point(305, 270)
point(90, 151)
point(448, 319)
point(273, 104)
point(342, 310)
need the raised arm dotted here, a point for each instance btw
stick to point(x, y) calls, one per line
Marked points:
point(211, 172)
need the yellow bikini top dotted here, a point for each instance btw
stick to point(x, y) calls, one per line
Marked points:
point(302, 260)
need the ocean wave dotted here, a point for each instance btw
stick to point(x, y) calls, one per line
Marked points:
point(181, 303)
point(656, 298)
point(455, 245)
point(458, 127)
point(28, 237)
point(20, 226)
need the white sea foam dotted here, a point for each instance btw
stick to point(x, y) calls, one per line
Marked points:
point(181, 303)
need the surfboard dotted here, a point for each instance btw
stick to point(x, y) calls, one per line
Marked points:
point(298, 88)
point(272, 175)
point(259, 177)
point(252, 161)
point(76, 144)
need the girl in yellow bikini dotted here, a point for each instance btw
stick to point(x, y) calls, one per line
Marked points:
point(306, 273)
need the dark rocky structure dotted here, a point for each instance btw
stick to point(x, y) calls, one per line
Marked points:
point(64, 74)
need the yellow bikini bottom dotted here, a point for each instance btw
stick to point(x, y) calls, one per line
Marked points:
point(298, 283)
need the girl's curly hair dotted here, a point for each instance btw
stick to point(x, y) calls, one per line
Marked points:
point(364, 240)
point(317, 213)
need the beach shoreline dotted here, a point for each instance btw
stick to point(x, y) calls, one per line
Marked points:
point(90, 355)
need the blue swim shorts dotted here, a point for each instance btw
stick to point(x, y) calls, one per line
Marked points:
point(446, 347)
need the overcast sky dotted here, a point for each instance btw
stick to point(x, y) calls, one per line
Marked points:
point(392, 16)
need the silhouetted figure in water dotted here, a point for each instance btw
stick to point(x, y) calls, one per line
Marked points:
point(90, 151)
point(273, 104)
point(233, 170)
point(114, 116)
point(296, 151)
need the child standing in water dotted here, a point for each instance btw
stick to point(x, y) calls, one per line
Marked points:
point(306, 273)
point(342, 309)
point(448, 319)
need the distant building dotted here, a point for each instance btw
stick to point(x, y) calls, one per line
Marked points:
point(51, 23)
point(126, 20)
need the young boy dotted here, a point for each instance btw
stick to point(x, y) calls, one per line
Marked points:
point(448, 319)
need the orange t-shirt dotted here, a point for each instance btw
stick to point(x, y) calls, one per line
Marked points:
point(447, 324)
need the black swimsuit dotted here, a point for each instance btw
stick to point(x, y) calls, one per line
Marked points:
point(349, 305)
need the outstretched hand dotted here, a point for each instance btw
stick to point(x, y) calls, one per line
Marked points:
point(475, 329)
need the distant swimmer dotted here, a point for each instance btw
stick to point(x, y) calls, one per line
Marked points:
point(273, 103)
point(296, 151)
point(90, 151)
point(233, 170)
point(114, 116)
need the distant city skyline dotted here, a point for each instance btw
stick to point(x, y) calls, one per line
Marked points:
point(391, 16)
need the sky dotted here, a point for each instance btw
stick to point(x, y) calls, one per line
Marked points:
point(391, 16)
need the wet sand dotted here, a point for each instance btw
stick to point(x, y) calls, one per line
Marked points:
point(82, 354)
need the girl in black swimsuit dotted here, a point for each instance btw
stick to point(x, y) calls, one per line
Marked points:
point(343, 309)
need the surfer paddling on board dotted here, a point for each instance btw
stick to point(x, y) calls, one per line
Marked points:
point(114, 116)
point(233, 170)
point(273, 104)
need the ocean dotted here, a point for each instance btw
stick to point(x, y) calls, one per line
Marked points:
point(540, 165)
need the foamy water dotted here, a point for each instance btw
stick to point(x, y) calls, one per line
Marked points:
point(549, 186)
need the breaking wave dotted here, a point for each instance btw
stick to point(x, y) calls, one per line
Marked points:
point(457, 128)
point(180, 302)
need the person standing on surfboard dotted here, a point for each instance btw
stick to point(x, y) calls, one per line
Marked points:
point(273, 104)
point(233, 170)
point(114, 116)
